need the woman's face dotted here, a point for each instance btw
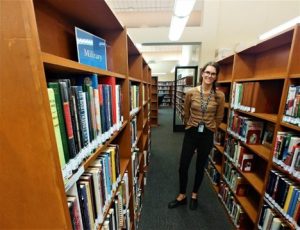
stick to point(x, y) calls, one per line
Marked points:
point(209, 75)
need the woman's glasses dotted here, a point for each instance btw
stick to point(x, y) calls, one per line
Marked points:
point(210, 73)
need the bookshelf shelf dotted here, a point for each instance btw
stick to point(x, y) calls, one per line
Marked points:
point(255, 181)
point(103, 147)
point(263, 78)
point(260, 150)
point(220, 148)
point(249, 207)
point(223, 127)
point(58, 64)
point(263, 116)
point(224, 81)
point(290, 126)
point(218, 168)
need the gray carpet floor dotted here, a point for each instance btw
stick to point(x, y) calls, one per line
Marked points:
point(162, 187)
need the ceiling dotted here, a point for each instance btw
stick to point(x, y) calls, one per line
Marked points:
point(162, 57)
point(216, 28)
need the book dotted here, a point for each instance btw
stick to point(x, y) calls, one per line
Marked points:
point(91, 50)
point(276, 223)
point(56, 128)
point(60, 115)
point(246, 162)
point(268, 135)
point(63, 85)
point(108, 80)
point(74, 210)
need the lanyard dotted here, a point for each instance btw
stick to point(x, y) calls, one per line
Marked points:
point(204, 104)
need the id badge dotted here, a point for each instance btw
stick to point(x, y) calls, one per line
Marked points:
point(201, 128)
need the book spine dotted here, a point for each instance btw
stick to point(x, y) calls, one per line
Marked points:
point(83, 118)
point(60, 115)
point(67, 116)
point(56, 127)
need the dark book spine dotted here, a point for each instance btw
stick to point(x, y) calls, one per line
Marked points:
point(84, 206)
point(83, 119)
point(60, 115)
point(67, 116)
point(88, 103)
point(110, 106)
point(75, 122)
point(102, 112)
point(105, 107)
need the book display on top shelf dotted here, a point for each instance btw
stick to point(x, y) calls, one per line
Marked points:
point(82, 126)
point(91, 49)
point(259, 142)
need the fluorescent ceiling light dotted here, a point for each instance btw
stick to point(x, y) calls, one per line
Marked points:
point(177, 27)
point(183, 8)
point(280, 28)
point(159, 73)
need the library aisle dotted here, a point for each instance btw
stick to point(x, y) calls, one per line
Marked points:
point(162, 187)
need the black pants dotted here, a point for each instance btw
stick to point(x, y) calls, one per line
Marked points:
point(193, 140)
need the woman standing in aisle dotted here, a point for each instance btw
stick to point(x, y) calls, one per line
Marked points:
point(203, 113)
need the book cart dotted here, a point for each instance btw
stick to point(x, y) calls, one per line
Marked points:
point(254, 164)
point(38, 45)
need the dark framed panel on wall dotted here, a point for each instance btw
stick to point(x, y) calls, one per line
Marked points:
point(185, 79)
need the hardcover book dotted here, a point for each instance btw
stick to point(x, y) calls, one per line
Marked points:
point(91, 49)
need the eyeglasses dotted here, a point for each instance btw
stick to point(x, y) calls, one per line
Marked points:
point(210, 73)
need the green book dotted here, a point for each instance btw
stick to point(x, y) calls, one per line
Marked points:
point(61, 121)
point(56, 127)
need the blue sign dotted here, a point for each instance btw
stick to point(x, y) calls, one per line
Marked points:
point(91, 49)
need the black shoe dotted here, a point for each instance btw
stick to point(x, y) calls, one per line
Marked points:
point(193, 204)
point(175, 203)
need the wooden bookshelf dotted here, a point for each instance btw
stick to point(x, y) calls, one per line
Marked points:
point(154, 101)
point(46, 49)
point(166, 90)
point(272, 66)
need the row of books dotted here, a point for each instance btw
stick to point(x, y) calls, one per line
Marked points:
point(134, 97)
point(85, 111)
point(133, 132)
point(287, 152)
point(271, 220)
point(219, 137)
point(250, 131)
point(237, 154)
point(165, 83)
point(234, 209)
point(96, 188)
point(292, 105)
point(213, 173)
point(243, 96)
point(136, 191)
point(215, 156)
point(284, 195)
point(235, 180)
